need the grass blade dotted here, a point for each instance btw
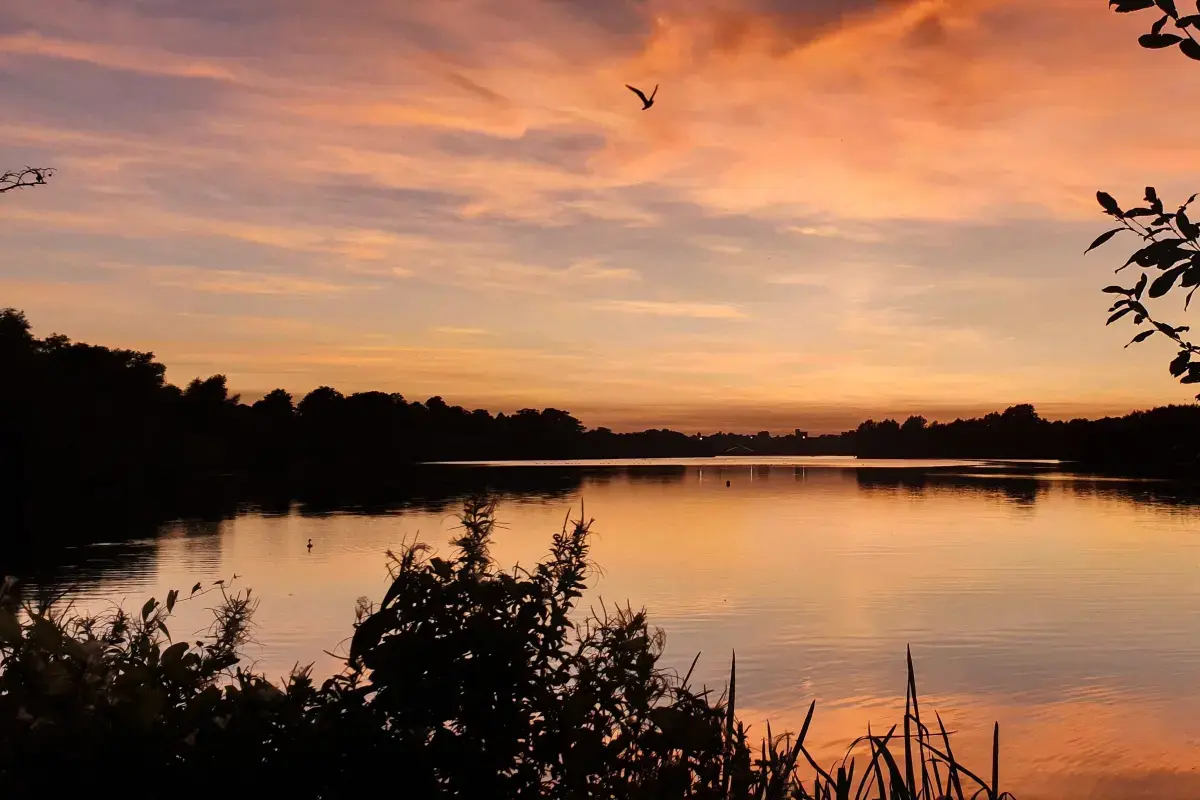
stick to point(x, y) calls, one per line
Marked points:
point(910, 783)
point(921, 730)
point(996, 762)
point(730, 742)
point(952, 778)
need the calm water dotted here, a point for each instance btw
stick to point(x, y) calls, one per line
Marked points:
point(1065, 608)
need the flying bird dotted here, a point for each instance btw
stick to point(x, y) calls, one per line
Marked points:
point(646, 101)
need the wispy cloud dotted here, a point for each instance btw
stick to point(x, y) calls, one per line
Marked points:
point(224, 281)
point(453, 331)
point(661, 308)
point(142, 59)
point(538, 278)
point(796, 279)
point(827, 231)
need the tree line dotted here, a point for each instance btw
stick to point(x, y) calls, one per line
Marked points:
point(80, 418)
point(1164, 440)
point(84, 416)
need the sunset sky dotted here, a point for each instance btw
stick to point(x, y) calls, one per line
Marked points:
point(835, 209)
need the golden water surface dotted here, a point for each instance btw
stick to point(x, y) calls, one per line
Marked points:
point(1065, 608)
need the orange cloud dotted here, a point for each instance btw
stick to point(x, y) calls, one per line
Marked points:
point(888, 198)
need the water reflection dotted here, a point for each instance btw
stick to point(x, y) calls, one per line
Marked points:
point(1063, 606)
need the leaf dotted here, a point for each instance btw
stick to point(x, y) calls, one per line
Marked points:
point(74, 649)
point(1156, 29)
point(10, 628)
point(174, 653)
point(196, 588)
point(1193, 374)
point(1188, 228)
point(1117, 290)
point(367, 636)
point(1157, 41)
point(1165, 282)
point(172, 596)
point(1108, 203)
point(1104, 237)
point(1141, 337)
point(147, 608)
point(1118, 315)
point(1140, 287)
point(1138, 212)
point(1152, 196)
point(1126, 6)
point(46, 633)
point(1167, 6)
point(1162, 253)
point(1190, 21)
point(1190, 48)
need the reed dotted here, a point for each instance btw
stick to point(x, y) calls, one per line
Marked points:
point(926, 769)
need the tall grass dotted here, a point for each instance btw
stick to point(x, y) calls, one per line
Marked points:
point(926, 769)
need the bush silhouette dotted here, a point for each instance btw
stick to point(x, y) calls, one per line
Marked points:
point(464, 681)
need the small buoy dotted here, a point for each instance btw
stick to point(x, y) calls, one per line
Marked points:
point(310, 544)
point(726, 484)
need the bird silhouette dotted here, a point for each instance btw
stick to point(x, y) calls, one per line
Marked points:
point(646, 101)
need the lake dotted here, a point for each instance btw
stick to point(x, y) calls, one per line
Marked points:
point(1065, 607)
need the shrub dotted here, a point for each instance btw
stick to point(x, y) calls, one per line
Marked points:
point(465, 681)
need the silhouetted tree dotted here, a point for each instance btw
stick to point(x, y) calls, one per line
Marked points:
point(275, 405)
point(321, 403)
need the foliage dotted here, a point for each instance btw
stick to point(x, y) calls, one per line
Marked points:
point(1170, 252)
point(465, 681)
point(1170, 241)
point(80, 695)
point(1156, 39)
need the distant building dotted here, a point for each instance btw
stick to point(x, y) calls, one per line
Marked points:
point(801, 434)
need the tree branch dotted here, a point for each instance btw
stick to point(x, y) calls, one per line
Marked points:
point(24, 178)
